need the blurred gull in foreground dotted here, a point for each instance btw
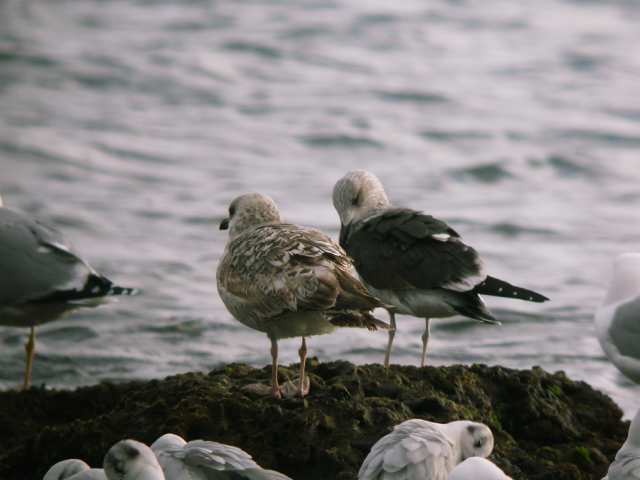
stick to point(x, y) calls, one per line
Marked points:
point(132, 460)
point(618, 319)
point(288, 281)
point(200, 459)
point(626, 465)
point(421, 450)
point(74, 469)
point(477, 468)
point(413, 262)
point(41, 277)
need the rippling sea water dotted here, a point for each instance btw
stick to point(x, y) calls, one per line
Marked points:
point(131, 125)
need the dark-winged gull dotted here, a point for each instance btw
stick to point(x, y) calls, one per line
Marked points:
point(201, 459)
point(626, 465)
point(422, 450)
point(131, 460)
point(288, 281)
point(413, 262)
point(477, 468)
point(618, 319)
point(41, 277)
point(74, 469)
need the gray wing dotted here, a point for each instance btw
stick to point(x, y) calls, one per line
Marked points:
point(35, 261)
point(402, 249)
point(414, 450)
point(625, 328)
point(215, 456)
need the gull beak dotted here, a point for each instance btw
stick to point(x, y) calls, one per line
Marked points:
point(224, 224)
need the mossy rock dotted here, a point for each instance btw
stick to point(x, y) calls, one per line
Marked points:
point(545, 425)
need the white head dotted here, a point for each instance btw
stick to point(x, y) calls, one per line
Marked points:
point(475, 439)
point(477, 468)
point(65, 469)
point(633, 438)
point(1, 204)
point(626, 278)
point(166, 442)
point(358, 193)
point(248, 211)
point(131, 460)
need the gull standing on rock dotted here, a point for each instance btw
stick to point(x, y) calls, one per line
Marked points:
point(131, 460)
point(421, 450)
point(203, 460)
point(618, 319)
point(288, 281)
point(413, 262)
point(41, 277)
point(74, 469)
point(626, 465)
point(477, 468)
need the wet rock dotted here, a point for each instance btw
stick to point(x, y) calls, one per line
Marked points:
point(545, 425)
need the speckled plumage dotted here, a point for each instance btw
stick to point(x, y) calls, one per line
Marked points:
point(286, 280)
point(274, 270)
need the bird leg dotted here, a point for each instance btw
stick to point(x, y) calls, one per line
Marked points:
point(425, 340)
point(29, 348)
point(304, 383)
point(392, 333)
point(275, 388)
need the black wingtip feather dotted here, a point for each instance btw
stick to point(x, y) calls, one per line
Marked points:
point(499, 288)
point(96, 286)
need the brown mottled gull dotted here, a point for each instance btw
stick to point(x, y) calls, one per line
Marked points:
point(41, 277)
point(288, 281)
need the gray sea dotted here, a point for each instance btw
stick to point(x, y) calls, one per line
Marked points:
point(130, 125)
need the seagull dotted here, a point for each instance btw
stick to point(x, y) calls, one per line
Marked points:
point(421, 450)
point(477, 468)
point(288, 281)
point(618, 319)
point(626, 465)
point(41, 277)
point(131, 460)
point(74, 469)
point(411, 261)
point(203, 460)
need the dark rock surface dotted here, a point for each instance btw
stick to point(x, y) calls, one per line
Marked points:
point(545, 425)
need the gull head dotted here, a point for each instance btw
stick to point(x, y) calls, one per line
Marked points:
point(1, 204)
point(633, 438)
point(166, 442)
point(65, 469)
point(626, 278)
point(131, 460)
point(249, 211)
point(356, 194)
point(476, 439)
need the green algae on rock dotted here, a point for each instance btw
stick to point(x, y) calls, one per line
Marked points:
point(545, 425)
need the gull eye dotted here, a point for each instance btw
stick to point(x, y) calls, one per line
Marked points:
point(479, 443)
point(232, 210)
point(356, 200)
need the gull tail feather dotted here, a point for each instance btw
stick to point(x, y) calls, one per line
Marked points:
point(471, 305)
point(357, 319)
point(499, 288)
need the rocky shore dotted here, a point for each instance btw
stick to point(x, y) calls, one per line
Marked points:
point(546, 426)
